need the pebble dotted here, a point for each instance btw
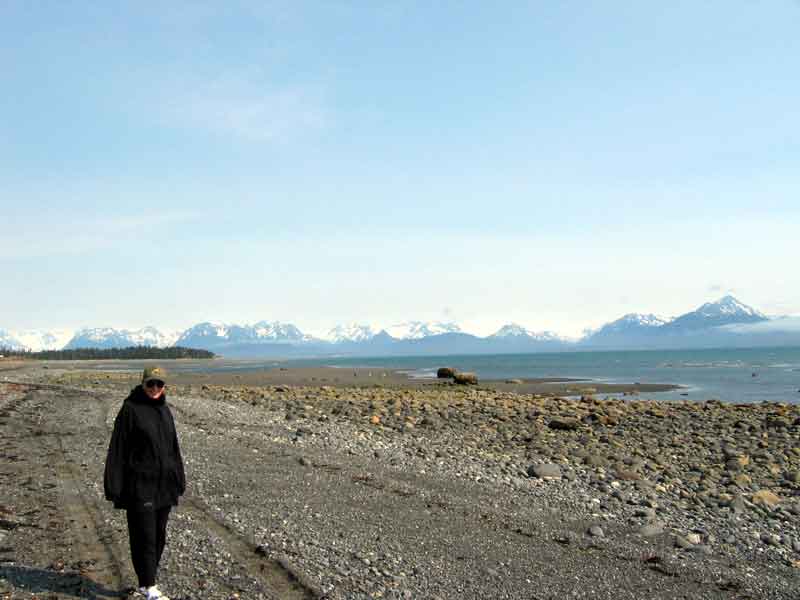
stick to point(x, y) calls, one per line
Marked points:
point(634, 460)
point(596, 531)
point(545, 471)
point(651, 530)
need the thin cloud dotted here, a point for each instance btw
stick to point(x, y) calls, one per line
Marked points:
point(243, 106)
point(68, 237)
point(781, 325)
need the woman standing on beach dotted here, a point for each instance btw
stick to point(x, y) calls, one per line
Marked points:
point(144, 474)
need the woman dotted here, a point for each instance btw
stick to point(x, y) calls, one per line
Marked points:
point(144, 474)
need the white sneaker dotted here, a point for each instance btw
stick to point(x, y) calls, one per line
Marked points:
point(153, 593)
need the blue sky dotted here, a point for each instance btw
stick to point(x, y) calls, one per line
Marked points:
point(553, 164)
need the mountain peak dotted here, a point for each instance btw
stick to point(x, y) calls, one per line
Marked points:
point(728, 305)
point(350, 332)
point(642, 319)
point(631, 326)
point(9, 342)
point(414, 330)
point(725, 311)
point(514, 330)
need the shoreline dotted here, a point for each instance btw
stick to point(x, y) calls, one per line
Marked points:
point(190, 371)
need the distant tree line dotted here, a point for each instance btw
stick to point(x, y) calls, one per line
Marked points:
point(129, 353)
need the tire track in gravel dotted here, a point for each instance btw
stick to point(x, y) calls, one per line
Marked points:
point(279, 578)
point(98, 565)
point(99, 548)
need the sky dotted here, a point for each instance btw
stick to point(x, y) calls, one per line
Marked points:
point(553, 164)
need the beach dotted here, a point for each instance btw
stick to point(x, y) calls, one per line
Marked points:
point(363, 483)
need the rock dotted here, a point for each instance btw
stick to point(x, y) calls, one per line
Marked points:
point(737, 505)
point(765, 498)
point(627, 475)
point(595, 460)
point(651, 530)
point(564, 424)
point(737, 463)
point(515, 381)
point(792, 476)
point(694, 538)
point(770, 539)
point(777, 423)
point(465, 378)
point(682, 542)
point(445, 373)
point(596, 531)
point(545, 471)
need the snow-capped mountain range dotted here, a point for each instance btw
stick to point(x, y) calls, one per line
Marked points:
point(513, 330)
point(415, 330)
point(698, 327)
point(108, 337)
point(351, 332)
point(721, 323)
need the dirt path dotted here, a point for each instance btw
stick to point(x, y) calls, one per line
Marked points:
point(60, 539)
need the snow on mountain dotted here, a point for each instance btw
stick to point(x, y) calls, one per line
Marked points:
point(109, 337)
point(729, 306)
point(352, 332)
point(36, 340)
point(725, 311)
point(635, 321)
point(98, 337)
point(209, 329)
point(633, 327)
point(215, 335)
point(414, 330)
point(515, 331)
point(9, 342)
point(277, 331)
point(150, 336)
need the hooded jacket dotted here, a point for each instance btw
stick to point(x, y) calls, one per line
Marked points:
point(144, 467)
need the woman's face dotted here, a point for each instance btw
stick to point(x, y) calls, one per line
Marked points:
point(154, 388)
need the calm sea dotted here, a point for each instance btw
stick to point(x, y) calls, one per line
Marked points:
point(740, 375)
point(735, 375)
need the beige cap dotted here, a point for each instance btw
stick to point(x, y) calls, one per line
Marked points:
point(154, 373)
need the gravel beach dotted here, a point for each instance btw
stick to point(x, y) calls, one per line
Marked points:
point(322, 489)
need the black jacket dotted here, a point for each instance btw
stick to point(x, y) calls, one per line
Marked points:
point(144, 468)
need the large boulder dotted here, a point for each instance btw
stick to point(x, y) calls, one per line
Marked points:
point(465, 378)
point(564, 424)
point(445, 373)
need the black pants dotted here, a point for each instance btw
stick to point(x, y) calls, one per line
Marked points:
point(147, 531)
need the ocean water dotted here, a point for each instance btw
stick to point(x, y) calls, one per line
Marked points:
point(730, 375)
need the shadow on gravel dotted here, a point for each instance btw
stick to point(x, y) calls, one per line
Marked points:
point(43, 580)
